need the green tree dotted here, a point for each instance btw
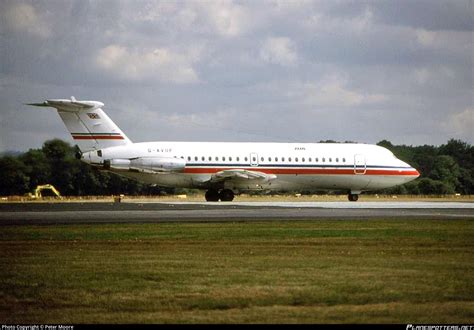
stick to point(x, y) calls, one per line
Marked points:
point(13, 178)
point(57, 150)
point(445, 169)
point(412, 188)
point(386, 144)
point(62, 163)
point(36, 167)
point(426, 186)
point(463, 154)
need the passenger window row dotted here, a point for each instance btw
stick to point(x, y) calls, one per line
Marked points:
point(262, 159)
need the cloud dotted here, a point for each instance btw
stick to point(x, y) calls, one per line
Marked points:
point(331, 92)
point(227, 18)
point(344, 67)
point(278, 51)
point(357, 24)
point(426, 38)
point(452, 41)
point(426, 14)
point(220, 118)
point(221, 18)
point(461, 124)
point(432, 75)
point(334, 94)
point(160, 64)
point(23, 18)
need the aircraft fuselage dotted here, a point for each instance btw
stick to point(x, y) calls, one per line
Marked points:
point(294, 166)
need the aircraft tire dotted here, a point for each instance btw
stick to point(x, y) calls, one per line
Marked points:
point(212, 195)
point(226, 195)
point(353, 197)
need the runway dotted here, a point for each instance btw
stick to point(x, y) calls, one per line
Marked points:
point(84, 213)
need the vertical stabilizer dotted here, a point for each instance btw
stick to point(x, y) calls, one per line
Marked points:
point(88, 124)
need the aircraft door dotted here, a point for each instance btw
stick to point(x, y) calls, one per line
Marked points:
point(360, 166)
point(253, 159)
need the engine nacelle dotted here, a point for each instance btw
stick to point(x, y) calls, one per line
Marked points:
point(158, 164)
point(147, 165)
point(117, 164)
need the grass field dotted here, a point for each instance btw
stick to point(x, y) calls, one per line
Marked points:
point(403, 271)
point(199, 197)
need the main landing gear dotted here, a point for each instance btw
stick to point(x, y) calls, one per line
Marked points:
point(225, 195)
point(353, 197)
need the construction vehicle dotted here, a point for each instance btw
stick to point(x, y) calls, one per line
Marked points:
point(37, 193)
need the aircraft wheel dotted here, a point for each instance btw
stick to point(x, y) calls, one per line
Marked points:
point(226, 195)
point(353, 197)
point(212, 195)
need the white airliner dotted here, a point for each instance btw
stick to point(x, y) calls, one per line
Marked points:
point(225, 169)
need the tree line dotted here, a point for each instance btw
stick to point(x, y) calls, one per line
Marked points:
point(445, 169)
point(56, 163)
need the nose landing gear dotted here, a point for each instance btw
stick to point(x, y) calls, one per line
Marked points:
point(225, 195)
point(353, 197)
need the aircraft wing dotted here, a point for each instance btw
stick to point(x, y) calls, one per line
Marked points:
point(240, 174)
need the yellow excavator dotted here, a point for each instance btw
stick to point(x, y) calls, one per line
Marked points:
point(40, 188)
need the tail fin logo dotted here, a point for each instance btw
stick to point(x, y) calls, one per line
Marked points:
point(92, 115)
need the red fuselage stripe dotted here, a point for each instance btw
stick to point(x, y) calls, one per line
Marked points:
point(306, 171)
point(97, 137)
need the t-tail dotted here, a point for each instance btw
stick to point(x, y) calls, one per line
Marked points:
point(88, 124)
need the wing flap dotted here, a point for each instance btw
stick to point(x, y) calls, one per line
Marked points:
point(241, 174)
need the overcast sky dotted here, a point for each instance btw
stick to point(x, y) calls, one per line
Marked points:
point(241, 70)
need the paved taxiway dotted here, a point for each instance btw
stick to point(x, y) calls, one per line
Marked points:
point(73, 213)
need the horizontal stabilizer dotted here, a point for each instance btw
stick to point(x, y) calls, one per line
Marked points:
point(71, 105)
point(44, 104)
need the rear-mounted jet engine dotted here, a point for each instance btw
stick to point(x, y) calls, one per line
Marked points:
point(147, 165)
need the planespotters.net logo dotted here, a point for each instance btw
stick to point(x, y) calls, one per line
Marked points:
point(439, 327)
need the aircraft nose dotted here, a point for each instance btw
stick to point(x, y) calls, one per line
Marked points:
point(413, 172)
